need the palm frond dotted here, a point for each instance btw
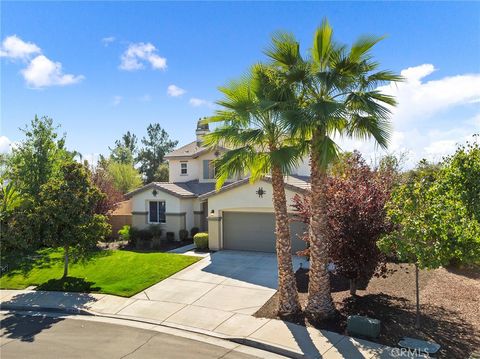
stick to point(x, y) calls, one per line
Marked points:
point(284, 50)
point(367, 127)
point(327, 151)
point(360, 48)
point(322, 44)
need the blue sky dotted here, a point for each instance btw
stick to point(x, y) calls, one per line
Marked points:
point(119, 58)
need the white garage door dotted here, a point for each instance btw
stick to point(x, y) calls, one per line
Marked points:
point(256, 232)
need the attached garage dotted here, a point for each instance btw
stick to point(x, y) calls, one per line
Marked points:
point(255, 231)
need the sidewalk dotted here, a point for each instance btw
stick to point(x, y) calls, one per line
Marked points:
point(270, 334)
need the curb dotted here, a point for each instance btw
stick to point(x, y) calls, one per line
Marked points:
point(238, 340)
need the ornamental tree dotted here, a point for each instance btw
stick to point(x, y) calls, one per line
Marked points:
point(355, 196)
point(435, 214)
point(68, 205)
point(106, 185)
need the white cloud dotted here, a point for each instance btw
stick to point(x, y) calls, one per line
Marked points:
point(137, 54)
point(116, 100)
point(5, 144)
point(175, 91)
point(108, 40)
point(40, 71)
point(43, 72)
point(420, 100)
point(431, 118)
point(197, 102)
point(14, 47)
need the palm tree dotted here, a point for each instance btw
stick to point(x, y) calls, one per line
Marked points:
point(336, 91)
point(253, 127)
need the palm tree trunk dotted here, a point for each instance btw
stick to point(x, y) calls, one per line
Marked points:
point(319, 304)
point(288, 302)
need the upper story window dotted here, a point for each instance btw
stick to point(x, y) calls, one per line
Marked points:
point(183, 168)
point(156, 212)
point(208, 169)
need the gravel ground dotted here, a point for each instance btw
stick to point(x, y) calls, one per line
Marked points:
point(450, 306)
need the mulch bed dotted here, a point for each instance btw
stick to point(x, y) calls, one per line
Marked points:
point(450, 307)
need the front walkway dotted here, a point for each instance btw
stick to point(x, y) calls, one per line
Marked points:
point(217, 296)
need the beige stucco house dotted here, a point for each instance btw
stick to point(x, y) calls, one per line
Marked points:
point(238, 216)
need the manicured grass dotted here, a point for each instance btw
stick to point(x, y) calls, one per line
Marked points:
point(117, 272)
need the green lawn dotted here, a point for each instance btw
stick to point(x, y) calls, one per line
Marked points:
point(118, 272)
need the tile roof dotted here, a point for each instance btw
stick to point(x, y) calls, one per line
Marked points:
point(194, 189)
point(191, 189)
point(293, 182)
point(189, 150)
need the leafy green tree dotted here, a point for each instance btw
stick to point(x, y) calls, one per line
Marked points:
point(35, 161)
point(125, 150)
point(336, 94)
point(68, 205)
point(37, 158)
point(11, 202)
point(4, 163)
point(435, 216)
point(161, 175)
point(254, 127)
point(125, 177)
point(156, 144)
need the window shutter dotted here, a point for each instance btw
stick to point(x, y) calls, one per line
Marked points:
point(205, 169)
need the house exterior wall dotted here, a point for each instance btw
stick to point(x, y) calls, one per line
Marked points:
point(174, 172)
point(245, 198)
point(194, 168)
point(241, 199)
point(303, 168)
point(178, 211)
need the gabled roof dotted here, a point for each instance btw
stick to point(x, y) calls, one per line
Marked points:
point(293, 182)
point(189, 150)
point(191, 189)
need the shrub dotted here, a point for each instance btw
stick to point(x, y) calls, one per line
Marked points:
point(155, 230)
point(201, 240)
point(125, 233)
point(170, 236)
point(194, 231)
point(183, 234)
point(134, 236)
point(145, 235)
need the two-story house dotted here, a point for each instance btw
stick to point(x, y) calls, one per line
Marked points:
point(238, 216)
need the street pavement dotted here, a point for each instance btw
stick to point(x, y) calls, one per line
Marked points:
point(42, 336)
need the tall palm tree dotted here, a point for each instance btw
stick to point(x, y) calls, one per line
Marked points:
point(337, 95)
point(253, 127)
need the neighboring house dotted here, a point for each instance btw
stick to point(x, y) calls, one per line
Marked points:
point(238, 216)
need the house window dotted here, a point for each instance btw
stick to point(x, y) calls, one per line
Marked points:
point(183, 168)
point(156, 213)
point(208, 169)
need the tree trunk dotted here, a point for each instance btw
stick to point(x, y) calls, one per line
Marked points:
point(288, 302)
point(417, 290)
point(319, 304)
point(65, 264)
point(353, 286)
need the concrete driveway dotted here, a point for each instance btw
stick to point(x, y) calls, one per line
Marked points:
point(228, 281)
